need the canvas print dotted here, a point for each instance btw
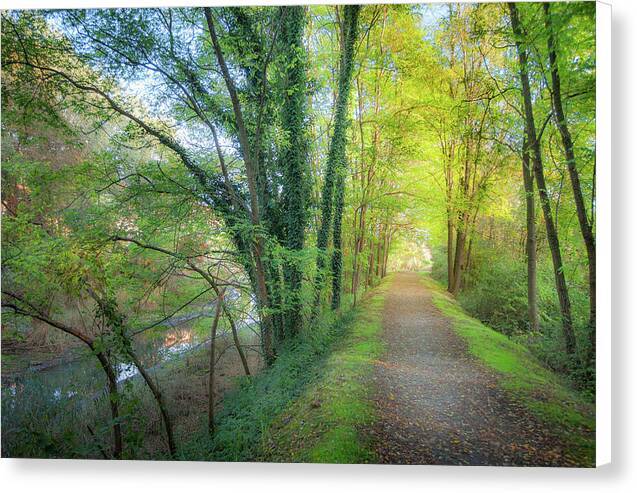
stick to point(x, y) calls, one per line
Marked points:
point(300, 233)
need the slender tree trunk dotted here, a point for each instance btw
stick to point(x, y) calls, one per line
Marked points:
point(355, 256)
point(358, 249)
point(160, 401)
point(538, 170)
point(467, 262)
point(531, 241)
point(567, 143)
point(461, 238)
point(379, 246)
point(450, 249)
point(235, 339)
point(113, 395)
point(251, 168)
point(370, 267)
point(389, 238)
point(211, 369)
point(235, 335)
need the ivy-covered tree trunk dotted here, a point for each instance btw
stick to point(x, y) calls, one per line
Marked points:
point(337, 254)
point(294, 160)
point(538, 170)
point(332, 199)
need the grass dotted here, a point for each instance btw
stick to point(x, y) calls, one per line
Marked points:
point(323, 424)
point(308, 404)
point(541, 391)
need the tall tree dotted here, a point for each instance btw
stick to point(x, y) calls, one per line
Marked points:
point(332, 195)
point(294, 157)
point(538, 170)
point(350, 36)
point(571, 163)
point(531, 239)
point(252, 174)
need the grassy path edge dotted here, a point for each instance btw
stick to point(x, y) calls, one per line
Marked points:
point(323, 425)
point(537, 388)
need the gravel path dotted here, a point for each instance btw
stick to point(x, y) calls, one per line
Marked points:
point(436, 404)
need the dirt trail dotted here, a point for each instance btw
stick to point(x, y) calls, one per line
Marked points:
point(437, 404)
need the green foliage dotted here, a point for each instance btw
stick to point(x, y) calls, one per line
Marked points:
point(505, 307)
point(253, 407)
point(124, 180)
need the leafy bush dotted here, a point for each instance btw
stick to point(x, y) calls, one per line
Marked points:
point(496, 294)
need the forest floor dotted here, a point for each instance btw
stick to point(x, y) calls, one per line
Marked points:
point(416, 380)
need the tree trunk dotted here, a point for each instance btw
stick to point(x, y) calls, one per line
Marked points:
point(538, 170)
point(567, 143)
point(295, 168)
point(337, 254)
point(355, 255)
point(458, 257)
point(351, 30)
point(531, 240)
point(379, 249)
point(370, 267)
point(113, 399)
point(211, 369)
point(251, 175)
point(160, 402)
point(235, 338)
point(389, 238)
point(116, 320)
point(450, 246)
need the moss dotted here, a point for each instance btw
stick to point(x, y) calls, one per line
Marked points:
point(324, 424)
point(541, 391)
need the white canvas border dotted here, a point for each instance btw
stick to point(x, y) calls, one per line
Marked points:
point(603, 233)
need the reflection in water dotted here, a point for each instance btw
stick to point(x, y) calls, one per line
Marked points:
point(176, 342)
point(82, 377)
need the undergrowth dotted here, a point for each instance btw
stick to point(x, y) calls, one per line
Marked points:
point(319, 370)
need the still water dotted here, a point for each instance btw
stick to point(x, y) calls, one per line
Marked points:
point(79, 376)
